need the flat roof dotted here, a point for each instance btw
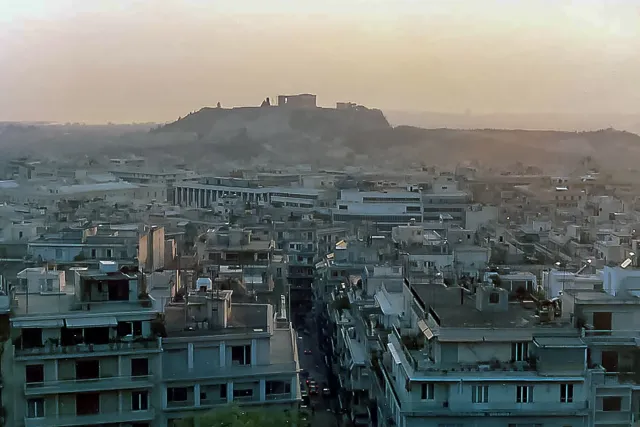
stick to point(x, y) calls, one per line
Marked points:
point(34, 305)
point(445, 302)
point(103, 186)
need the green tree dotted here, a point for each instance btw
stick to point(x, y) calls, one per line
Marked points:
point(235, 416)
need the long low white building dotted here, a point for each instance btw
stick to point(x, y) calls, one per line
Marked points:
point(49, 193)
point(201, 194)
point(385, 208)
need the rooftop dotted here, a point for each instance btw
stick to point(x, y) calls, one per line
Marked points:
point(452, 313)
point(36, 305)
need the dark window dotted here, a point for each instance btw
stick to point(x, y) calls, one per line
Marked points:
point(139, 401)
point(177, 394)
point(612, 404)
point(87, 369)
point(31, 338)
point(223, 391)
point(87, 403)
point(566, 393)
point(35, 408)
point(34, 374)
point(139, 367)
point(427, 391)
point(93, 253)
point(241, 355)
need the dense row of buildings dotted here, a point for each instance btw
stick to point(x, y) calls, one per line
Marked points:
point(449, 299)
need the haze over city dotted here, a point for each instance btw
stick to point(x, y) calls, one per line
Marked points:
point(98, 61)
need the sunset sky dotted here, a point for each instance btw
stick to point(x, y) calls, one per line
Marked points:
point(155, 60)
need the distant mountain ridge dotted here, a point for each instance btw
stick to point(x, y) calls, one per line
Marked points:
point(331, 136)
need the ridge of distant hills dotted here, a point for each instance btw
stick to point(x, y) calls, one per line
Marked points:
point(323, 137)
point(353, 134)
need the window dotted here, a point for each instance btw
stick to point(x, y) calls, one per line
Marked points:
point(109, 253)
point(35, 408)
point(87, 369)
point(480, 394)
point(566, 393)
point(177, 394)
point(139, 401)
point(34, 374)
point(494, 298)
point(87, 403)
point(427, 391)
point(519, 351)
point(223, 391)
point(524, 394)
point(241, 355)
point(93, 254)
point(139, 367)
point(612, 404)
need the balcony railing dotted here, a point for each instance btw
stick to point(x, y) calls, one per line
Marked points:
point(495, 408)
point(175, 404)
point(251, 398)
point(150, 344)
point(85, 385)
point(94, 419)
point(608, 336)
point(213, 372)
point(212, 401)
point(278, 396)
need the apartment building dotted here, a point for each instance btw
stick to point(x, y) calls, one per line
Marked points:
point(607, 319)
point(93, 243)
point(217, 353)
point(84, 356)
point(460, 359)
point(385, 209)
point(299, 242)
point(249, 255)
point(443, 197)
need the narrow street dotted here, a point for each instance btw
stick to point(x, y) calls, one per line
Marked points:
point(314, 364)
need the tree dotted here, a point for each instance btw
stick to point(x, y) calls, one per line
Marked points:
point(235, 416)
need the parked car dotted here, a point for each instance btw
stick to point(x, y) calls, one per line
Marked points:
point(313, 390)
point(326, 392)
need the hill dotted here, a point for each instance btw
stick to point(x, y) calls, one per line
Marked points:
point(218, 139)
point(337, 137)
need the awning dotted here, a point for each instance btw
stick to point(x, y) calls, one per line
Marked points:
point(426, 331)
point(91, 322)
point(38, 324)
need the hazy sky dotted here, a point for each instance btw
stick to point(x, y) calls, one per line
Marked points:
point(138, 60)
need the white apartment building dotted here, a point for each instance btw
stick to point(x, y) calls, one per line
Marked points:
point(103, 352)
point(455, 359)
point(383, 208)
point(443, 197)
point(224, 353)
point(83, 358)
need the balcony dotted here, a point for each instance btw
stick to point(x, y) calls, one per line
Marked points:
point(81, 386)
point(213, 401)
point(278, 396)
point(234, 371)
point(151, 345)
point(496, 408)
point(181, 404)
point(87, 420)
point(245, 399)
point(609, 337)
